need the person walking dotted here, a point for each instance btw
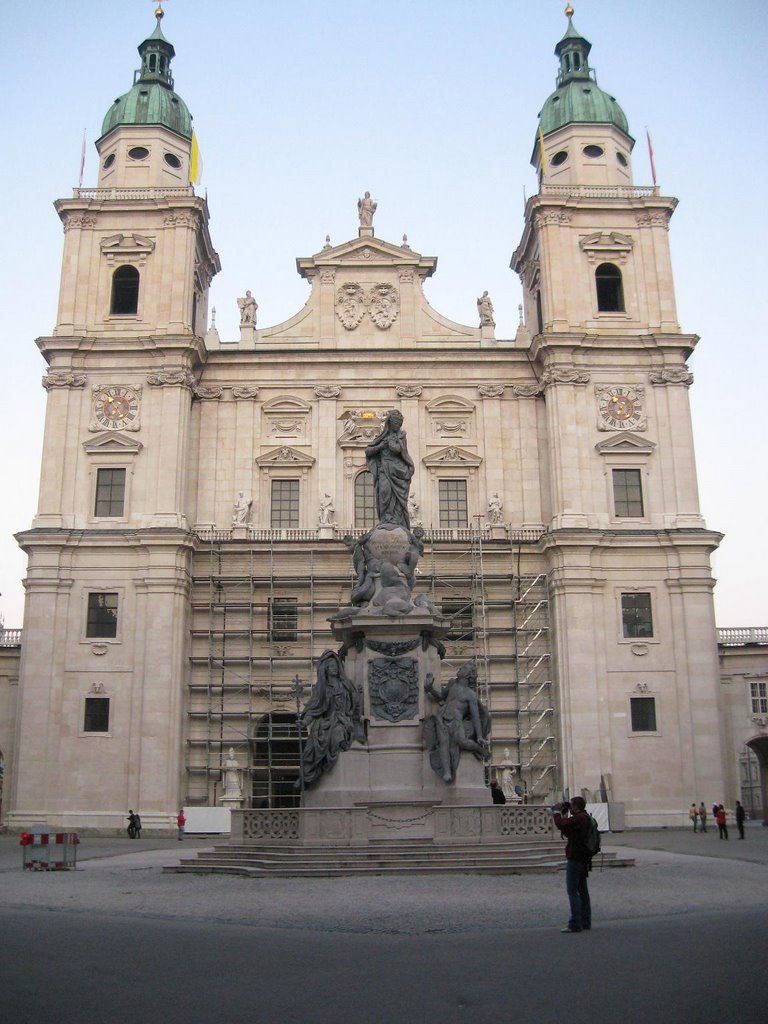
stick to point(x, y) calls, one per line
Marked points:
point(693, 814)
point(181, 821)
point(703, 816)
point(740, 819)
point(573, 822)
point(131, 825)
point(720, 818)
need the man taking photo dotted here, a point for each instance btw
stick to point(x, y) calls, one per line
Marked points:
point(573, 822)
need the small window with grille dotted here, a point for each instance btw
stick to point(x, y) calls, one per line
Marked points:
point(96, 714)
point(636, 617)
point(110, 493)
point(759, 695)
point(283, 618)
point(102, 615)
point(365, 501)
point(643, 714)
point(627, 494)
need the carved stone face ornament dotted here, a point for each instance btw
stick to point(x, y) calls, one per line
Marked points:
point(350, 306)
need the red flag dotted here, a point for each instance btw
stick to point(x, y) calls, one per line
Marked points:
point(82, 162)
point(650, 156)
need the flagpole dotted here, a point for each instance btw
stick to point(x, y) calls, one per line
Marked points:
point(82, 162)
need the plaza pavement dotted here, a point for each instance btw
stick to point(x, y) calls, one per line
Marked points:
point(675, 873)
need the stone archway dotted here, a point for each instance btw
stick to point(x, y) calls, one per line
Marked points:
point(275, 758)
point(759, 746)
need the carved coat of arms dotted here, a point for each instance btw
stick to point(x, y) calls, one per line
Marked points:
point(350, 305)
point(383, 305)
point(393, 684)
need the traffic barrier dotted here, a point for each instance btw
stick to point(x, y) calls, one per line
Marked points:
point(49, 851)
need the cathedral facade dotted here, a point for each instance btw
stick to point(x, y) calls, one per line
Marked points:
point(199, 497)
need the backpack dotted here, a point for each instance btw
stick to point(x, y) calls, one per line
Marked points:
point(592, 838)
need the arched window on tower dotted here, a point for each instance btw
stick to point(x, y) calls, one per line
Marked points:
point(365, 501)
point(610, 291)
point(125, 291)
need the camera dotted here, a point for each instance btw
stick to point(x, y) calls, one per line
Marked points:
point(566, 807)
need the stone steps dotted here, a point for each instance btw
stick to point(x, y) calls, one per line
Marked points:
point(407, 857)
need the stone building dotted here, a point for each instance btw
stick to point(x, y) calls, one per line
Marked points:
point(187, 550)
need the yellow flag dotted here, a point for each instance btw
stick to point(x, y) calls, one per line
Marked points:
point(542, 158)
point(195, 163)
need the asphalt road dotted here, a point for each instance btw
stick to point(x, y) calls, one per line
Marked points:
point(681, 937)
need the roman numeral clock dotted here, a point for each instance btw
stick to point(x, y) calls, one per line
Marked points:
point(620, 407)
point(115, 407)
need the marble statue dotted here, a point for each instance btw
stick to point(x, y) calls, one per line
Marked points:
point(414, 511)
point(495, 513)
point(247, 306)
point(327, 510)
point(366, 207)
point(332, 718)
point(460, 723)
point(485, 310)
point(392, 468)
point(231, 777)
point(241, 509)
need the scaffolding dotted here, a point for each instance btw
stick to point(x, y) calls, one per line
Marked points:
point(260, 606)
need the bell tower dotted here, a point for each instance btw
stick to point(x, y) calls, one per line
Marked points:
point(627, 547)
point(110, 547)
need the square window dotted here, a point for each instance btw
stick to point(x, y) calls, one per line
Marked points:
point(453, 504)
point(643, 714)
point(283, 618)
point(102, 615)
point(96, 717)
point(636, 618)
point(284, 513)
point(459, 611)
point(110, 493)
point(759, 694)
point(627, 493)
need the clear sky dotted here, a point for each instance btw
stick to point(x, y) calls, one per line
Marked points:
point(431, 105)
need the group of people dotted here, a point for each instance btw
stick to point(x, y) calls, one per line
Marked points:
point(134, 825)
point(698, 817)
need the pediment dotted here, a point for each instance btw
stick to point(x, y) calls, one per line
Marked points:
point(109, 441)
point(366, 252)
point(603, 245)
point(450, 404)
point(123, 245)
point(285, 457)
point(625, 443)
point(452, 456)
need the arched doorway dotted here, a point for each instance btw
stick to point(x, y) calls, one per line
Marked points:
point(275, 758)
point(759, 797)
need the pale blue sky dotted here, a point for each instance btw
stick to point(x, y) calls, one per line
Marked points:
point(299, 107)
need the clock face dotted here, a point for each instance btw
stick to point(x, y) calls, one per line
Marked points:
point(620, 407)
point(116, 408)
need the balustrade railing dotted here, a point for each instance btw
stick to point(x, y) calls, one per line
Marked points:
point(601, 191)
point(151, 192)
point(10, 637)
point(742, 635)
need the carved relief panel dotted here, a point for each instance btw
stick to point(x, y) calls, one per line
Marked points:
point(451, 418)
point(286, 419)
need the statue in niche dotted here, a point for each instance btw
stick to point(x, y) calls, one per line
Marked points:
point(247, 306)
point(366, 207)
point(485, 310)
point(241, 510)
point(460, 723)
point(327, 510)
point(332, 718)
point(392, 468)
point(495, 513)
point(231, 777)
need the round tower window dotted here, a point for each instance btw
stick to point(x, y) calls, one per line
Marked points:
point(593, 151)
point(172, 160)
point(621, 159)
point(559, 158)
point(138, 153)
point(109, 161)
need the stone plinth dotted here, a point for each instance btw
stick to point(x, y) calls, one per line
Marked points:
point(389, 659)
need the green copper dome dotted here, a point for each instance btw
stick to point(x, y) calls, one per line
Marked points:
point(152, 99)
point(578, 99)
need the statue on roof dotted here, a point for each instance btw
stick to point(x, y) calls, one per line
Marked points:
point(247, 306)
point(366, 207)
point(485, 310)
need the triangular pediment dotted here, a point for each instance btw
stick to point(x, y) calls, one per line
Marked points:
point(285, 456)
point(366, 252)
point(625, 443)
point(125, 244)
point(452, 456)
point(109, 441)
